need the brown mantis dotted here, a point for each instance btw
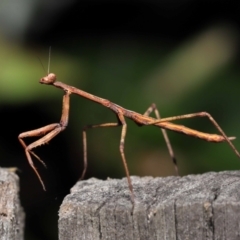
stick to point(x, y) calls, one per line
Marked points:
point(50, 131)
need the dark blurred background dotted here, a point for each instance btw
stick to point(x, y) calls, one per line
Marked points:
point(181, 55)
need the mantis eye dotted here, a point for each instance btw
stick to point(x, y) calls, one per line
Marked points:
point(49, 79)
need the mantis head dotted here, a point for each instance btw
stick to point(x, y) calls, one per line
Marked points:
point(49, 79)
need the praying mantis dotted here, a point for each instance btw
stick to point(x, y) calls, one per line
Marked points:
point(50, 131)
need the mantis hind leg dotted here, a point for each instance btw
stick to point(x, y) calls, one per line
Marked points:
point(164, 132)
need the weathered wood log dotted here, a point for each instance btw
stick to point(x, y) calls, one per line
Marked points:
point(11, 212)
point(192, 207)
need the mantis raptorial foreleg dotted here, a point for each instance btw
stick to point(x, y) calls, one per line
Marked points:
point(49, 132)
